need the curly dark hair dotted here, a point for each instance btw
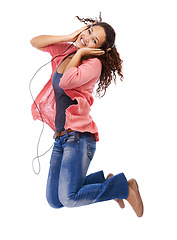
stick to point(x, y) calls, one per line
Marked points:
point(111, 61)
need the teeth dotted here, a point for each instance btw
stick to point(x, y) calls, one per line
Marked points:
point(82, 42)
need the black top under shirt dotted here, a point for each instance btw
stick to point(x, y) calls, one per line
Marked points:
point(63, 101)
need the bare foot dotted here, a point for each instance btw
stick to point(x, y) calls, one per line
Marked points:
point(119, 201)
point(134, 197)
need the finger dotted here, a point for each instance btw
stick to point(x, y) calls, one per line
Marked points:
point(101, 53)
point(84, 27)
point(79, 31)
point(98, 52)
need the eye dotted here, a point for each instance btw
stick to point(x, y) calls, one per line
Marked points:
point(94, 41)
point(89, 31)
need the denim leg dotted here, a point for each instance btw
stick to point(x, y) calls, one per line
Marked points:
point(77, 155)
point(114, 187)
point(108, 185)
point(97, 177)
point(53, 176)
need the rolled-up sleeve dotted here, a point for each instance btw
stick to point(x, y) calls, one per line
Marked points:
point(77, 76)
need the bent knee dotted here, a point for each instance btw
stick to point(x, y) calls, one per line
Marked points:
point(54, 203)
point(67, 201)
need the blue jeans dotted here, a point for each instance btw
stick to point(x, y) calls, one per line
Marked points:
point(68, 184)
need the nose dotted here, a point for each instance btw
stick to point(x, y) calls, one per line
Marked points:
point(87, 40)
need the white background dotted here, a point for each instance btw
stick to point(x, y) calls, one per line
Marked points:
point(137, 121)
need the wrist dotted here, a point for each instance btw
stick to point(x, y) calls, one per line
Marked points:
point(64, 38)
point(68, 38)
point(80, 52)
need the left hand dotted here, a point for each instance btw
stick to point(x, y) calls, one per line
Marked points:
point(91, 51)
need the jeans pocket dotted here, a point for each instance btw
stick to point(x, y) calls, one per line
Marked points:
point(91, 148)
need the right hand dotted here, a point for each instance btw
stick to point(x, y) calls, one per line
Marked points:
point(73, 36)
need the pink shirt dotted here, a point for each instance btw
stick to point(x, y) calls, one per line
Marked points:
point(78, 83)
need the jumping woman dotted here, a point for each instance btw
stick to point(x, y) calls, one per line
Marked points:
point(64, 104)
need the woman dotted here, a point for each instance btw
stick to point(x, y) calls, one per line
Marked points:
point(64, 104)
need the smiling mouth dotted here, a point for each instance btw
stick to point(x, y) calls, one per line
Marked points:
point(82, 41)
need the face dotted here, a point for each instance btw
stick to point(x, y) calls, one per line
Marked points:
point(94, 37)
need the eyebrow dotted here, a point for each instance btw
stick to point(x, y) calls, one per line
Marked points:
point(95, 37)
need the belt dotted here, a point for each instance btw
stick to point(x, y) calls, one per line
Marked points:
point(60, 134)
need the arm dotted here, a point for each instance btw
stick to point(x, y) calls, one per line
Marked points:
point(75, 75)
point(42, 41)
point(83, 52)
point(84, 73)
